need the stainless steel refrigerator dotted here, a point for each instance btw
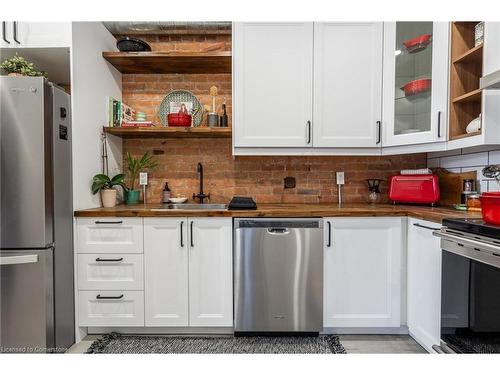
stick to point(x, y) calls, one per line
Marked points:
point(36, 238)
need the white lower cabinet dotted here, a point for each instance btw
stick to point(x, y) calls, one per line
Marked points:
point(166, 272)
point(107, 308)
point(424, 283)
point(363, 272)
point(110, 272)
point(188, 272)
point(210, 272)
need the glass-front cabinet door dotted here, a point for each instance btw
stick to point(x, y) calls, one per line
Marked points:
point(415, 83)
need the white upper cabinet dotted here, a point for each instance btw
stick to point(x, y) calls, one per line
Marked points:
point(35, 34)
point(491, 62)
point(210, 272)
point(415, 79)
point(424, 283)
point(166, 272)
point(272, 84)
point(347, 84)
point(362, 272)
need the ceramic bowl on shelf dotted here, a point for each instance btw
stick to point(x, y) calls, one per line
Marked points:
point(178, 199)
point(417, 86)
point(417, 44)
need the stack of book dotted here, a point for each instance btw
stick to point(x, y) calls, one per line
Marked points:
point(122, 115)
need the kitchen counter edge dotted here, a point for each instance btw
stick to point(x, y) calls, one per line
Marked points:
point(434, 214)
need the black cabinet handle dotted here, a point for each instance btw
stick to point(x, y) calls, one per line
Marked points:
point(109, 222)
point(439, 124)
point(182, 237)
point(191, 233)
point(109, 297)
point(308, 132)
point(329, 244)
point(108, 259)
point(379, 132)
point(4, 32)
point(15, 33)
point(425, 226)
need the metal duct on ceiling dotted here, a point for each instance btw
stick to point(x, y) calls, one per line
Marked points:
point(160, 27)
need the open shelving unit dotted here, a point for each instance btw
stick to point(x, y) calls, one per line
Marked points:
point(465, 71)
point(162, 132)
point(216, 62)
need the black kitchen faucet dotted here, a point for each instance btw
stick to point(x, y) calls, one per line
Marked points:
point(201, 195)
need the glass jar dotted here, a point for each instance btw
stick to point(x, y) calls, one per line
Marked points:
point(473, 203)
point(374, 195)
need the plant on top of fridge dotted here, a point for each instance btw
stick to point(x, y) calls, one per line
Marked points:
point(18, 65)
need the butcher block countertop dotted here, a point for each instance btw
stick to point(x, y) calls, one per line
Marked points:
point(435, 214)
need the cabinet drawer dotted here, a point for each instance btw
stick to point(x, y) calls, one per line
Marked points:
point(110, 235)
point(110, 272)
point(111, 308)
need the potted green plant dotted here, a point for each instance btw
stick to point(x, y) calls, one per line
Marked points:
point(18, 66)
point(102, 183)
point(134, 166)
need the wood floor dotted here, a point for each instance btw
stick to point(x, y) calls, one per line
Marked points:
point(360, 344)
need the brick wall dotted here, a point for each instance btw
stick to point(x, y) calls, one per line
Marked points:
point(144, 92)
point(225, 176)
point(262, 177)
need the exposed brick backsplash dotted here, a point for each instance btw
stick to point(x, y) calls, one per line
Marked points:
point(262, 177)
point(144, 92)
point(225, 175)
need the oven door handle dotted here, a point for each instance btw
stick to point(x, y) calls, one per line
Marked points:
point(472, 249)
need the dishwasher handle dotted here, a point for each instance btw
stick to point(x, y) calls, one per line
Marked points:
point(278, 223)
point(278, 231)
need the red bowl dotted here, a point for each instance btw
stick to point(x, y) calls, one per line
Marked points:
point(417, 86)
point(179, 119)
point(418, 43)
point(490, 207)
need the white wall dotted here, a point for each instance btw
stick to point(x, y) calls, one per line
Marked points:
point(92, 80)
point(464, 160)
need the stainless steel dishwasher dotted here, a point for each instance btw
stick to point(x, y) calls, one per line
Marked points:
point(278, 275)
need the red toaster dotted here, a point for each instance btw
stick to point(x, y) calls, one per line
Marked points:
point(419, 189)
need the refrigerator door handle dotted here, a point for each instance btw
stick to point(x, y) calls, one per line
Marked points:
point(18, 259)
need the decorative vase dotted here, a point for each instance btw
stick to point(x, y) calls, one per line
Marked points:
point(108, 197)
point(132, 196)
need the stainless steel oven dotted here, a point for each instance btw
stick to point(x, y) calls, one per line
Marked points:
point(470, 287)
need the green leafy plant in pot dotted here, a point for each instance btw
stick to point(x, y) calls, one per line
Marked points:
point(134, 166)
point(102, 183)
point(18, 66)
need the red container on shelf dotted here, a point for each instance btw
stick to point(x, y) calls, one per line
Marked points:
point(417, 86)
point(490, 207)
point(417, 44)
point(179, 119)
point(419, 189)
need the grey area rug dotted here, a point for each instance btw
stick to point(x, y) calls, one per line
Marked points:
point(115, 343)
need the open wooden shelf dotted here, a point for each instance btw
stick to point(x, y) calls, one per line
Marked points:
point(466, 135)
point(472, 96)
point(170, 62)
point(473, 55)
point(166, 132)
point(466, 68)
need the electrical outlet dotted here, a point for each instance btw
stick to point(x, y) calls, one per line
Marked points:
point(143, 178)
point(340, 178)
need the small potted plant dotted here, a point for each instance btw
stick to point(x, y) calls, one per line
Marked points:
point(102, 183)
point(18, 66)
point(134, 166)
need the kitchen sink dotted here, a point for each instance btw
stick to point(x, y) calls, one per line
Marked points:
point(191, 206)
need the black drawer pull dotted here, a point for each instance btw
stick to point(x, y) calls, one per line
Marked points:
point(109, 297)
point(109, 222)
point(329, 234)
point(191, 233)
point(425, 226)
point(182, 237)
point(108, 259)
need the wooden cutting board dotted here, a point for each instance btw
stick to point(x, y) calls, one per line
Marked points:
point(451, 185)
